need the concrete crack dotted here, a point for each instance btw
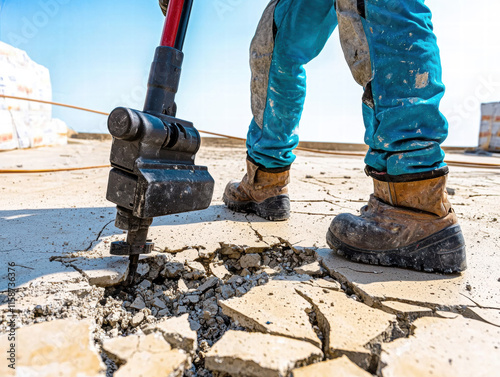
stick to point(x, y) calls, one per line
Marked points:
point(468, 298)
point(257, 233)
point(314, 214)
point(98, 236)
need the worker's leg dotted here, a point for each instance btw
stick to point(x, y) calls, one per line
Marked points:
point(392, 51)
point(408, 222)
point(290, 34)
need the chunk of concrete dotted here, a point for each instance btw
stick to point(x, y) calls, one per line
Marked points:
point(312, 269)
point(347, 325)
point(210, 283)
point(137, 319)
point(196, 271)
point(138, 303)
point(182, 286)
point(444, 347)
point(274, 308)
point(405, 310)
point(142, 269)
point(57, 348)
point(250, 261)
point(103, 272)
point(240, 353)
point(176, 331)
point(172, 270)
point(120, 350)
point(163, 364)
point(220, 271)
point(341, 366)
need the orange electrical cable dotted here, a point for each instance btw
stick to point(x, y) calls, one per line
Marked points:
point(55, 104)
point(480, 165)
point(20, 171)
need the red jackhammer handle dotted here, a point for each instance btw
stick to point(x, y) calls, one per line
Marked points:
point(172, 22)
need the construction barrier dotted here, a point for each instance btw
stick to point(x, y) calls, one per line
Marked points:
point(26, 124)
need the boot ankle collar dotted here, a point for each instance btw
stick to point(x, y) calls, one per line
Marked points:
point(268, 170)
point(384, 177)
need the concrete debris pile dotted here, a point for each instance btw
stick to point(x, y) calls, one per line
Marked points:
point(238, 311)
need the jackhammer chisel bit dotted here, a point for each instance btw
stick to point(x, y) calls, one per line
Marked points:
point(153, 153)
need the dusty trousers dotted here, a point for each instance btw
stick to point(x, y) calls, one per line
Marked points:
point(392, 52)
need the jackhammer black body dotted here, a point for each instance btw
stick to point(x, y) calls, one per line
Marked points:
point(153, 153)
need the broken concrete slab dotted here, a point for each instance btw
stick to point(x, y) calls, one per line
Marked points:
point(405, 310)
point(341, 366)
point(375, 284)
point(259, 355)
point(324, 283)
point(120, 350)
point(312, 269)
point(103, 272)
point(57, 348)
point(274, 308)
point(147, 355)
point(444, 347)
point(347, 325)
point(158, 364)
point(176, 331)
point(29, 267)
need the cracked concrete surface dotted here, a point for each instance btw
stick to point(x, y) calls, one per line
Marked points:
point(218, 268)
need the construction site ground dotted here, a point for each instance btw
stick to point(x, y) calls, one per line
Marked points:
point(228, 294)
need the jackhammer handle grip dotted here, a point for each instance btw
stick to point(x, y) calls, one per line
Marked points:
point(176, 23)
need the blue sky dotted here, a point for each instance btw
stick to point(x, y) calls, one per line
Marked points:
point(99, 53)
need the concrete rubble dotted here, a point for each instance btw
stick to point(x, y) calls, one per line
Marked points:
point(227, 294)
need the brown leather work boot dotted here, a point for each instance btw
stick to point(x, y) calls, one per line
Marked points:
point(261, 191)
point(408, 223)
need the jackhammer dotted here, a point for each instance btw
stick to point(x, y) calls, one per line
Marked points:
point(153, 153)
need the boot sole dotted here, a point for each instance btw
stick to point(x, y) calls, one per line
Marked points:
point(443, 252)
point(273, 209)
